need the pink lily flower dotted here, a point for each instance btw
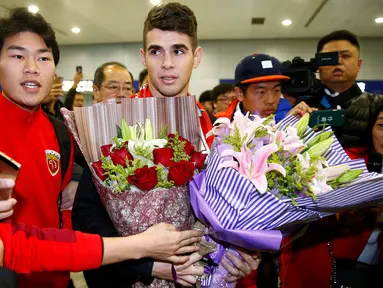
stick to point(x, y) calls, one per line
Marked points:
point(253, 166)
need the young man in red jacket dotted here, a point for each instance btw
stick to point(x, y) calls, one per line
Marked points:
point(28, 56)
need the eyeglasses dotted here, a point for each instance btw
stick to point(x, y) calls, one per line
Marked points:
point(226, 99)
point(115, 89)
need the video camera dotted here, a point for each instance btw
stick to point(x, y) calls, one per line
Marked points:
point(302, 74)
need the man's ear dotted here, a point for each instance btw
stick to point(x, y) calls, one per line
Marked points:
point(96, 93)
point(239, 94)
point(360, 62)
point(142, 55)
point(197, 57)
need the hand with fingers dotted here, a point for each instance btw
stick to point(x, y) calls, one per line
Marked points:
point(300, 109)
point(77, 79)
point(56, 91)
point(6, 206)
point(164, 242)
point(184, 274)
point(68, 195)
point(242, 266)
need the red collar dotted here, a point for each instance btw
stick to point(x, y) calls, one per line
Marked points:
point(18, 115)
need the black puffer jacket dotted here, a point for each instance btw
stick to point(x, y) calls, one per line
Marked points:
point(360, 108)
point(359, 117)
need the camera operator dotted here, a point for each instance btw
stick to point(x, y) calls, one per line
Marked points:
point(340, 91)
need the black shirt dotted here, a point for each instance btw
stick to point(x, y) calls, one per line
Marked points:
point(89, 216)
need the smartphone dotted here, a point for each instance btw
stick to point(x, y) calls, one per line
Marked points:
point(79, 69)
point(334, 118)
point(9, 168)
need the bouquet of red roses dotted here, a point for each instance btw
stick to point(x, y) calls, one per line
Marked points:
point(142, 179)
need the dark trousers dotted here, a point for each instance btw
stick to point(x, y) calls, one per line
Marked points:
point(8, 278)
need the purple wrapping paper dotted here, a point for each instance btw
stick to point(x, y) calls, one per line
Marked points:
point(216, 274)
point(248, 239)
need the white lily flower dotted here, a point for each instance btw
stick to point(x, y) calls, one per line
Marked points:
point(334, 171)
point(304, 160)
point(319, 186)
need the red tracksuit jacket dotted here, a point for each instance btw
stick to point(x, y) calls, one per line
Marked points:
point(30, 139)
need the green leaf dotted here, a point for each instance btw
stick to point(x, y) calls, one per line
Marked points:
point(162, 176)
point(296, 180)
point(268, 120)
point(235, 140)
point(178, 147)
point(143, 151)
point(119, 132)
point(164, 132)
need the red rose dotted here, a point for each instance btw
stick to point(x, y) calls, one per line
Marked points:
point(144, 178)
point(189, 149)
point(181, 172)
point(105, 150)
point(198, 159)
point(99, 170)
point(119, 156)
point(163, 156)
point(172, 136)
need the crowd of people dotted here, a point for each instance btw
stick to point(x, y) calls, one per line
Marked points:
point(55, 222)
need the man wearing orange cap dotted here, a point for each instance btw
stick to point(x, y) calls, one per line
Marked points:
point(258, 80)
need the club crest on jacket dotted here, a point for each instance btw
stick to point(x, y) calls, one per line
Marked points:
point(53, 161)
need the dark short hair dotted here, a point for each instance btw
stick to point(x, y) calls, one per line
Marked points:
point(69, 99)
point(221, 89)
point(336, 36)
point(243, 87)
point(99, 75)
point(172, 17)
point(21, 20)
point(142, 75)
point(374, 110)
point(205, 96)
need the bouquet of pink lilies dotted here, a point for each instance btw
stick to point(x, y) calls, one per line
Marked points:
point(262, 179)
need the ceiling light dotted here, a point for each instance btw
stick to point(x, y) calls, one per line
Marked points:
point(33, 9)
point(155, 2)
point(76, 30)
point(379, 20)
point(286, 22)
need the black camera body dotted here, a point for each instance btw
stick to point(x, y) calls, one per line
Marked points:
point(302, 74)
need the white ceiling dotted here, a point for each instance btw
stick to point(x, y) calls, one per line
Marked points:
point(108, 21)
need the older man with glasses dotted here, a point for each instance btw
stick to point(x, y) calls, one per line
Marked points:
point(222, 96)
point(112, 80)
